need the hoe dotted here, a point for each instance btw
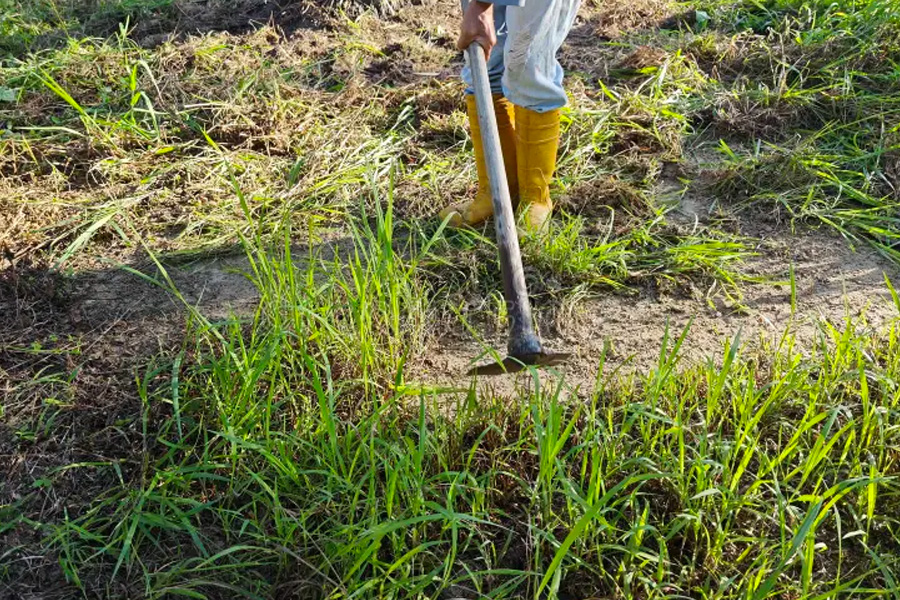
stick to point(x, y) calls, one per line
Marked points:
point(524, 347)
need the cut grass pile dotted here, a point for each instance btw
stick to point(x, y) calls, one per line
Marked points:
point(288, 454)
point(817, 86)
point(108, 137)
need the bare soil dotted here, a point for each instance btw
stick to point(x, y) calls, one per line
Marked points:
point(833, 281)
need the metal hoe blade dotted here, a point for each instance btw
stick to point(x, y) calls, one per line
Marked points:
point(514, 364)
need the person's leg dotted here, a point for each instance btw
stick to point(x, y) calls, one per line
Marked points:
point(533, 81)
point(478, 210)
point(495, 60)
point(533, 77)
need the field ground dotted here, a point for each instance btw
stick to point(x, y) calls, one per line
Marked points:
point(234, 334)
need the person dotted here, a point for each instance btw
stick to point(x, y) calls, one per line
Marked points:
point(520, 39)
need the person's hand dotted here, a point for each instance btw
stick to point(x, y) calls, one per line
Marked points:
point(478, 26)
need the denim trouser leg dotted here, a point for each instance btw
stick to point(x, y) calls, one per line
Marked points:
point(495, 60)
point(524, 59)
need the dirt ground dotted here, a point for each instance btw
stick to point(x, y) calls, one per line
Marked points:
point(833, 281)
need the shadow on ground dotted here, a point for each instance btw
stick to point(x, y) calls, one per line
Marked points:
point(150, 22)
point(75, 353)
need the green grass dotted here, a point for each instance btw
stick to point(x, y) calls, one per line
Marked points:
point(289, 452)
point(835, 84)
point(286, 451)
point(33, 24)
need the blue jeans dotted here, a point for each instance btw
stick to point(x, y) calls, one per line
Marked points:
point(523, 66)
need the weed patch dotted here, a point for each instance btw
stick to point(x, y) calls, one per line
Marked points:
point(293, 444)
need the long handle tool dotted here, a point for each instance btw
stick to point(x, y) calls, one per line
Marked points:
point(524, 346)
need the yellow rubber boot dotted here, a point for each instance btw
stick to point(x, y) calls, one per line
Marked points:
point(474, 212)
point(537, 141)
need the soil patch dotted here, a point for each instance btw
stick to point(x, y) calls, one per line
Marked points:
point(152, 23)
point(188, 17)
point(833, 282)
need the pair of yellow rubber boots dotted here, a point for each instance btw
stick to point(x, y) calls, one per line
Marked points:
point(529, 141)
